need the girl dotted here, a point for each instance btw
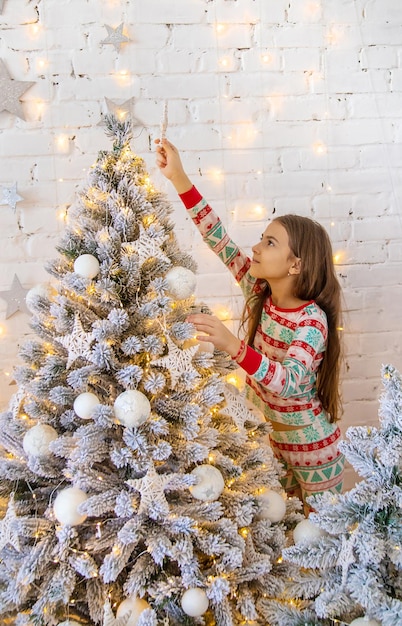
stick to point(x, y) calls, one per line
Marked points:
point(291, 355)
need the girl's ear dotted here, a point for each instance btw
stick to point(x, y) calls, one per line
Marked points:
point(295, 268)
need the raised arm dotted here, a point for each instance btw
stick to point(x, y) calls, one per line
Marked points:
point(169, 162)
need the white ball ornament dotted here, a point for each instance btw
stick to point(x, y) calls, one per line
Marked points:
point(194, 602)
point(306, 531)
point(86, 266)
point(66, 505)
point(84, 404)
point(132, 408)
point(37, 439)
point(134, 606)
point(272, 506)
point(181, 282)
point(210, 483)
point(364, 621)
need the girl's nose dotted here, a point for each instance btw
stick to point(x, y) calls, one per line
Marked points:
point(255, 247)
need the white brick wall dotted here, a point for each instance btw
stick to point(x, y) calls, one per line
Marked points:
point(253, 88)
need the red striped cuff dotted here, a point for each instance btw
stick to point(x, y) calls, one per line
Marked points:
point(190, 198)
point(251, 362)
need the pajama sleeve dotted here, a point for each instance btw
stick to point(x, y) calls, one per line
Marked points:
point(304, 355)
point(218, 240)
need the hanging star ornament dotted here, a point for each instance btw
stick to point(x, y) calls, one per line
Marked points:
point(236, 409)
point(10, 196)
point(78, 343)
point(9, 527)
point(152, 489)
point(178, 361)
point(11, 91)
point(148, 246)
point(115, 36)
point(15, 298)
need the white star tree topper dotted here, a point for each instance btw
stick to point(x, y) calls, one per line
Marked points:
point(121, 111)
point(78, 343)
point(178, 361)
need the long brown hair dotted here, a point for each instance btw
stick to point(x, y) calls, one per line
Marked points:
point(317, 281)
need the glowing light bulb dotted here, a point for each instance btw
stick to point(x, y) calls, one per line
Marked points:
point(220, 28)
point(216, 174)
point(259, 211)
point(41, 63)
point(62, 143)
point(266, 58)
point(320, 148)
point(234, 380)
point(62, 215)
point(35, 30)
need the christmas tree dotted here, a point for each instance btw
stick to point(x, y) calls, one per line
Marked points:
point(350, 549)
point(139, 490)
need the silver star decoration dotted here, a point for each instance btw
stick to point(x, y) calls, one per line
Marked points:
point(9, 527)
point(15, 298)
point(10, 196)
point(178, 361)
point(10, 92)
point(148, 246)
point(110, 620)
point(115, 36)
point(78, 343)
point(152, 489)
point(120, 111)
point(236, 407)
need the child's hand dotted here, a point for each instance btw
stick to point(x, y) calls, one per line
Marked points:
point(169, 162)
point(214, 331)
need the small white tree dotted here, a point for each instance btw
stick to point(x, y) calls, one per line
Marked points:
point(353, 568)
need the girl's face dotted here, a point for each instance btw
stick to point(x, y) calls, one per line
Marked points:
point(272, 257)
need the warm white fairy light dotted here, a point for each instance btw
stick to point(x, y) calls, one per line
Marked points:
point(41, 64)
point(334, 35)
point(267, 58)
point(122, 77)
point(337, 257)
point(40, 107)
point(34, 30)
point(320, 148)
point(226, 62)
point(62, 142)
